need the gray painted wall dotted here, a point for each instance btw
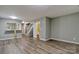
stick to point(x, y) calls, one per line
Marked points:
point(3, 28)
point(45, 27)
point(48, 28)
point(66, 28)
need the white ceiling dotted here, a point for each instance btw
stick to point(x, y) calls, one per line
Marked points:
point(32, 12)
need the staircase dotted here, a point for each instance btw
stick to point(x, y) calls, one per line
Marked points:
point(29, 29)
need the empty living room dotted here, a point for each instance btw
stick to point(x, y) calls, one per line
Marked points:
point(39, 29)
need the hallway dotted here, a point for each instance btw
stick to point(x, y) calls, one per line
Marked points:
point(27, 45)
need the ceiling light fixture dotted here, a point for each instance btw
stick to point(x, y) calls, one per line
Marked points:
point(13, 17)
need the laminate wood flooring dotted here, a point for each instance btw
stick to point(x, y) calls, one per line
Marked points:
point(28, 45)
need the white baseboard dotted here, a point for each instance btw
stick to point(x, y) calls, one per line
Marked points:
point(44, 39)
point(64, 40)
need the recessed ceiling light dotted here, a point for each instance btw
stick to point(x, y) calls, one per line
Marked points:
point(13, 17)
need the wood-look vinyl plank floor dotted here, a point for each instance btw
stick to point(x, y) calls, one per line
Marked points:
point(28, 45)
point(43, 47)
